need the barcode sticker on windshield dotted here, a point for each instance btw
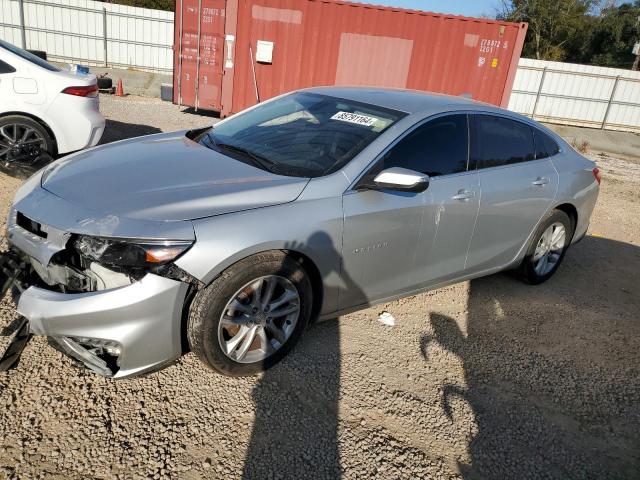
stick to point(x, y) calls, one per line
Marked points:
point(355, 118)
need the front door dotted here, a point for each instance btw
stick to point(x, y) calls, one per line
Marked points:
point(381, 231)
point(395, 242)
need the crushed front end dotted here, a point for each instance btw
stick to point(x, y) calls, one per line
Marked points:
point(99, 293)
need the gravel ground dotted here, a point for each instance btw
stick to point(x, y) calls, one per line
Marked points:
point(484, 379)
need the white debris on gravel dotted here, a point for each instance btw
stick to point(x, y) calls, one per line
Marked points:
point(385, 318)
point(546, 386)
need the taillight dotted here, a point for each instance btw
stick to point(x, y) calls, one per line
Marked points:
point(597, 175)
point(85, 91)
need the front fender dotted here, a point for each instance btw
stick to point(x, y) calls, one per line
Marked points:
point(311, 227)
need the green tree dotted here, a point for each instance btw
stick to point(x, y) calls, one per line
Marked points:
point(554, 25)
point(168, 5)
point(611, 39)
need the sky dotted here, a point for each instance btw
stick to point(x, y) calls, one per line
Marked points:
point(470, 8)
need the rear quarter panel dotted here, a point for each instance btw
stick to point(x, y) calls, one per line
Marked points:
point(577, 186)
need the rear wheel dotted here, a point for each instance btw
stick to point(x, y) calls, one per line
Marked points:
point(250, 317)
point(547, 249)
point(25, 145)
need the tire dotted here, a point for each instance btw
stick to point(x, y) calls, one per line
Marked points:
point(105, 83)
point(207, 332)
point(533, 270)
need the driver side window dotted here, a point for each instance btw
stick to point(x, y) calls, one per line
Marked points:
point(439, 147)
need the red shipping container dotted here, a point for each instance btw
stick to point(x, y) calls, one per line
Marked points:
point(231, 54)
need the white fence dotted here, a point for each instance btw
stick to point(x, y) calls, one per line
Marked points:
point(580, 95)
point(91, 33)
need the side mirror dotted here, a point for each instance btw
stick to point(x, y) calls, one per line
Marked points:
point(402, 179)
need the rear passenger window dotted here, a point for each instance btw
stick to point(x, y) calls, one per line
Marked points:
point(545, 145)
point(439, 147)
point(500, 141)
point(6, 68)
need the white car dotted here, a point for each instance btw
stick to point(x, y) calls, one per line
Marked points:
point(43, 110)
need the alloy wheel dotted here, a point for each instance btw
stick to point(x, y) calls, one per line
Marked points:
point(259, 319)
point(19, 141)
point(549, 248)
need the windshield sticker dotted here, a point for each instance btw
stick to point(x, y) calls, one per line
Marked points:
point(358, 119)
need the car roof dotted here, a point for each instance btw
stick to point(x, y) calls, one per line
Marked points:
point(408, 101)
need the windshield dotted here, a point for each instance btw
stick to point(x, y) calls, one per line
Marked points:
point(28, 56)
point(302, 134)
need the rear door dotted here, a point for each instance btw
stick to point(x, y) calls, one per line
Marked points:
point(200, 43)
point(517, 189)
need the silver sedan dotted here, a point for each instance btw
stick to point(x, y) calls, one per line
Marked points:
point(229, 240)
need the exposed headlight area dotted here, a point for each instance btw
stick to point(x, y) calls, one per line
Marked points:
point(128, 254)
point(91, 263)
point(94, 263)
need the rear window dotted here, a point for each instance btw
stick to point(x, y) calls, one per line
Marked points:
point(6, 68)
point(30, 57)
point(545, 145)
point(302, 134)
point(500, 141)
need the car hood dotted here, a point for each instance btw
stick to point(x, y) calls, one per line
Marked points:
point(165, 177)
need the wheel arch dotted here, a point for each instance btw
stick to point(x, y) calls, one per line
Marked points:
point(35, 118)
point(315, 277)
point(565, 207)
point(308, 264)
point(305, 260)
point(572, 212)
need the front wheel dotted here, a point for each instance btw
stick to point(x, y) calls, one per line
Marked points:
point(547, 249)
point(251, 315)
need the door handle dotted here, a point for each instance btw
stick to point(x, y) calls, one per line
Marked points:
point(463, 195)
point(540, 181)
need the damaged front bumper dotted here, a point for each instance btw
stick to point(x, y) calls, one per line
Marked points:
point(116, 328)
point(118, 332)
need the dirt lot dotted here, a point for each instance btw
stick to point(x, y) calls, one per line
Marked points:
point(484, 379)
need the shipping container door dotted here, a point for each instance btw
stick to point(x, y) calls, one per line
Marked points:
point(200, 53)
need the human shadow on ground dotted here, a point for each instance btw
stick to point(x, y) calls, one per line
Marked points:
point(295, 433)
point(551, 371)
